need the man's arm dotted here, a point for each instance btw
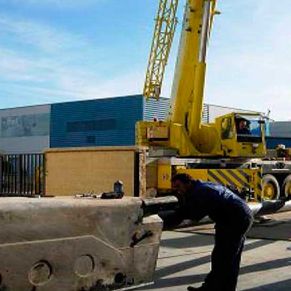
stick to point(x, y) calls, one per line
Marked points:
point(171, 218)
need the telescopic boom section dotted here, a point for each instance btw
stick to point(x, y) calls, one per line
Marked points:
point(188, 84)
point(165, 26)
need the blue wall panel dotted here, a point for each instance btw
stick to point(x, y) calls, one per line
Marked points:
point(99, 122)
point(273, 141)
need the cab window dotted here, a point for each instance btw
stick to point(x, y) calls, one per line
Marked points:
point(226, 128)
point(248, 129)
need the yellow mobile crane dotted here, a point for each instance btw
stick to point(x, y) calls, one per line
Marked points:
point(219, 149)
point(94, 243)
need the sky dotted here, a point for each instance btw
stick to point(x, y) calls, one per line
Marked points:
point(65, 50)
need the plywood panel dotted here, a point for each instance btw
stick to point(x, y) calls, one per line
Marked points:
point(84, 170)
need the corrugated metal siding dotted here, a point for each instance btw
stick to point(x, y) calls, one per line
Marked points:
point(158, 109)
point(280, 128)
point(215, 111)
point(205, 113)
point(96, 122)
point(272, 142)
point(24, 130)
point(100, 122)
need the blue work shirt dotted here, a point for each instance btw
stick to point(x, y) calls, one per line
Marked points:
point(216, 201)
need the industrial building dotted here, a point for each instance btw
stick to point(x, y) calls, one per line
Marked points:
point(279, 133)
point(97, 122)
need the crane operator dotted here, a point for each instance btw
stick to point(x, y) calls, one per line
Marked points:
point(232, 218)
point(243, 126)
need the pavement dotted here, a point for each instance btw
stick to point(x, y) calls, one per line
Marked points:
point(184, 257)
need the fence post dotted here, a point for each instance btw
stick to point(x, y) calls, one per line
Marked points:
point(42, 174)
point(18, 174)
point(1, 174)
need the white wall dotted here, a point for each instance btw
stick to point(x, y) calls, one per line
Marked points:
point(215, 111)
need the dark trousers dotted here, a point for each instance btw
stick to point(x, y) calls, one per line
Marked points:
point(226, 256)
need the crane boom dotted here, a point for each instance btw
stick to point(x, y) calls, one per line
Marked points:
point(184, 131)
point(166, 22)
point(188, 83)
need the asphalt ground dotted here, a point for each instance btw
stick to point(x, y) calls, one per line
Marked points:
point(184, 257)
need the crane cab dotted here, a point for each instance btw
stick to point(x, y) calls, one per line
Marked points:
point(242, 134)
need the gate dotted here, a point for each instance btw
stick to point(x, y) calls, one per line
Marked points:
point(22, 175)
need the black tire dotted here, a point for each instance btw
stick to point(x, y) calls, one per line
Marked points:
point(270, 188)
point(286, 187)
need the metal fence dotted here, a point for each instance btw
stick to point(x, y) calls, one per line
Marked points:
point(22, 175)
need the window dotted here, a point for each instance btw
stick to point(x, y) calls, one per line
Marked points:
point(226, 128)
point(91, 125)
point(248, 128)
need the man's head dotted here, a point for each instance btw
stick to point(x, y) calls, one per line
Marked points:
point(243, 124)
point(182, 183)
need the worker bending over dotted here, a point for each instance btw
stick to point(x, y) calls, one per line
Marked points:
point(232, 218)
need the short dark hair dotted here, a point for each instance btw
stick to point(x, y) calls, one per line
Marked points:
point(183, 177)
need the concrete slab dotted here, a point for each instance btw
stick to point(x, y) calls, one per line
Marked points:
point(184, 259)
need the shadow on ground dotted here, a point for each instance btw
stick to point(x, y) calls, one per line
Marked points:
point(187, 242)
point(161, 275)
point(278, 286)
